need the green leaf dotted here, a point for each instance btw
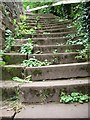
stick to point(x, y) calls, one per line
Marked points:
point(2, 63)
point(20, 80)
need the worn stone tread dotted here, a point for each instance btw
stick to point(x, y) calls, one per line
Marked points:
point(30, 92)
point(53, 110)
point(6, 114)
point(57, 83)
point(59, 71)
point(49, 48)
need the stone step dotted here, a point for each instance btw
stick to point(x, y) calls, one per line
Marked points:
point(56, 48)
point(14, 58)
point(50, 48)
point(46, 91)
point(43, 17)
point(53, 21)
point(59, 71)
point(57, 30)
point(50, 91)
point(47, 35)
point(54, 111)
point(48, 27)
point(50, 41)
point(37, 14)
point(10, 71)
point(9, 89)
point(47, 24)
point(43, 41)
point(57, 34)
point(6, 113)
point(56, 58)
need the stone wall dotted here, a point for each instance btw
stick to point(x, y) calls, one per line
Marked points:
point(8, 12)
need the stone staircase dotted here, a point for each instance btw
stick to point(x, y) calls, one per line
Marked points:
point(66, 73)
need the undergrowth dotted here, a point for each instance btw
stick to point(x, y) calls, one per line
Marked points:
point(32, 62)
point(74, 97)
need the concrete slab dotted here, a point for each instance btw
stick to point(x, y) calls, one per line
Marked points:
point(57, 48)
point(50, 48)
point(10, 71)
point(54, 111)
point(49, 91)
point(6, 114)
point(14, 58)
point(8, 88)
point(59, 71)
point(57, 58)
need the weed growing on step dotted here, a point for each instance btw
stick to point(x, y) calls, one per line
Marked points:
point(27, 48)
point(2, 62)
point(74, 97)
point(1, 59)
point(32, 62)
point(13, 103)
point(28, 79)
point(68, 50)
point(22, 28)
point(85, 53)
point(9, 40)
point(55, 51)
point(46, 33)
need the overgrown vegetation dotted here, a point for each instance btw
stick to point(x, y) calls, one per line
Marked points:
point(38, 4)
point(79, 14)
point(9, 40)
point(82, 36)
point(25, 80)
point(22, 28)
point(27, 48)
point(33, 62)
point(74, 97)
point(1, 60)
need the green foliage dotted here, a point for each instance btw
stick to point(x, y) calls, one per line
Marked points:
point(38, 4)
point(55, 51)
point(85, 53)
point(32, 62)
point(23, 18)
point(2, 63)
point(1, 53)
point(26, 80)
point(74, 97)
point(82, 36)
point(46, 33)
point(1, 60)
point(22, 28)
point(9, 40)
point(27, 48)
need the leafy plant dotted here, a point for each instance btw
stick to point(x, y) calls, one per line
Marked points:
point(9, 40)
point(1, 60)
point(26, 80)
point(46, 33)
point(55, 51)
point(85, 53)
point(2, 63)
point(22, 28)
point(74, 97)
point(32, 62)
point(23, 18)
point(27, 48)
point(1, 53)
point(68, 50)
